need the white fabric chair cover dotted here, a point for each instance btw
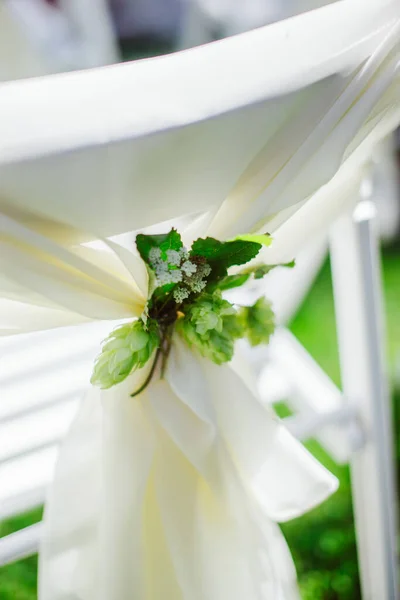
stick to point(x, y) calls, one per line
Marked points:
point(175, 495)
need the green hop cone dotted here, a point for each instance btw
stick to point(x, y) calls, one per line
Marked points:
point(208, 312)
point(258, 322)
point(126, 349)
point(213, 345)
point(210, 325)
point(233, 326)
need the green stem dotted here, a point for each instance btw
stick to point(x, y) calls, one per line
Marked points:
point(168, 298)
point(150, 375)
point(168, 340)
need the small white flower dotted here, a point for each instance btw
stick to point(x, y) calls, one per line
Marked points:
point(198, 286)
point(205, 270)
point(189, 268)
point(164, 277)
point(154, 255)
point(174, 257)
point(160, 267)
point(180, 294)
point(184, 253)
point(176, 275)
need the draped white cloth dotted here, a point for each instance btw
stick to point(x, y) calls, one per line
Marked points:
point(174, 494)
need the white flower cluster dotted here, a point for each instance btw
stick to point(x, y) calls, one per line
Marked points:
point(194, 280)
point(189, 268)
point(161, 266)
point(174, 257)
point(180, 294)
point(177, 268)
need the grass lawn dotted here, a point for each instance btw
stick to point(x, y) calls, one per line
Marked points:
point(323, 541)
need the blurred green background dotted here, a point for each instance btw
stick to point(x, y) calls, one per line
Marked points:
point(323, 541)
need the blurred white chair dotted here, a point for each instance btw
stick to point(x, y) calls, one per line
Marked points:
point(42, 378)
point(93, 32)
point(207, 20)
point(70, 151)
point(37, 38)
point(386, 190)
point(147, 18)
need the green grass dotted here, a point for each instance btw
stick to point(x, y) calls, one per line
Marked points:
point(323, 541)
point(18, 580)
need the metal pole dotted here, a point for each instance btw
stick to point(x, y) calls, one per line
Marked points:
point(358, 305)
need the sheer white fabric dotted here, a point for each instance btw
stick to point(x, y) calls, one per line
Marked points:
point(174, 495)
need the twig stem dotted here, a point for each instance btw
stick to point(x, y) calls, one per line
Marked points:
point(150, 375)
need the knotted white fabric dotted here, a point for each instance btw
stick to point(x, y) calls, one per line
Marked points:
point(174, 494)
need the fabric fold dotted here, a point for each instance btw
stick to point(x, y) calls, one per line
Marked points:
point(163, 495)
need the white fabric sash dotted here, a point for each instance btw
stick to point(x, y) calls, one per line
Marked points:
point(173, 494)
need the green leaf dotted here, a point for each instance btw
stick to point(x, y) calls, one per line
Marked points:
point(233, 326)
point(163, 291)
point(165, 241)
point(233, 281)
point(222, 347)
point(258, 271)
point(262, 238)
point(239, 279)
point(159, 268)
point(126, 349)
point(222, 255)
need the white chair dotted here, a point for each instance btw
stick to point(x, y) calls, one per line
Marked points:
point(207, 20)
point(43, 164)
point(147, 18)
point(37, 38)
